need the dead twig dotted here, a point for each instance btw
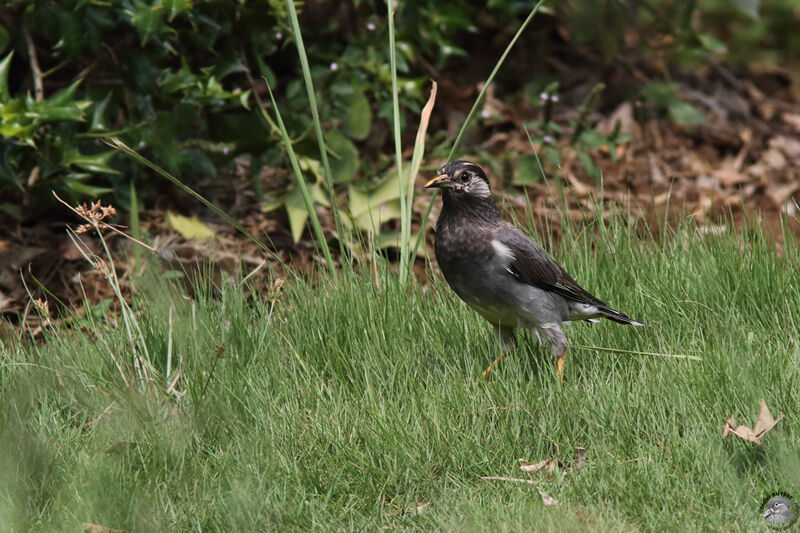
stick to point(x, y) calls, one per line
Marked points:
point(38, 87)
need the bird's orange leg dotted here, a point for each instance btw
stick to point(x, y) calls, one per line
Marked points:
point(495, 364)
point(561, 359)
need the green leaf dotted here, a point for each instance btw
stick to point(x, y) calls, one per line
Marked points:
point(147, 20)
point(372, 206)
point(344, 164)
point(297, 213)
point(684, 113)
point(74, 183)
point(357, 115)
point(712, 44)
point(589, 165)
point(189, 227)
point(13, 210)
point(92, 163)
point(593, 139)
point(65, 96)
point(98, 122)
point(527, 172)
point(174, 7)
point(661, 93)
point(4, 38)
point(748, 7)
point(7, 172)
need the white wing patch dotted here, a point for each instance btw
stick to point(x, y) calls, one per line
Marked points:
point(504, 254)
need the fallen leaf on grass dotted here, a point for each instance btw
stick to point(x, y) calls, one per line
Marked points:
point(764, 422)
point(419, 509)
point(548, 466)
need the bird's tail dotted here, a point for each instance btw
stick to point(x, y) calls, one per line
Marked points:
point(619, 317)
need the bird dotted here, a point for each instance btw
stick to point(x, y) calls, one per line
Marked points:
point(503, 274)
point(779, 511)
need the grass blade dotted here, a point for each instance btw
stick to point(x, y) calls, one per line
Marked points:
point(301, 182)
point(405, 219)
point(312, 100)
point(472, 111)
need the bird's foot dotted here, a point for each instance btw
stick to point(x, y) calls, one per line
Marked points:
point(561, 359)
point(495, 364)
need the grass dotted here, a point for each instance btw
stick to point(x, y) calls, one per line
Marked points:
point(346, 403)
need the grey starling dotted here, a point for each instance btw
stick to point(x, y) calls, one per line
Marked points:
point(500, 272)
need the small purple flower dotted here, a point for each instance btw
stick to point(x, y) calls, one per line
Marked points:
point(279, 36)
point(485, 113)
point(334, 67)
point(554, 98)
point(547, 139)
point(370, 26)
point(220, 103)
point(543, 96)
point(225, 150)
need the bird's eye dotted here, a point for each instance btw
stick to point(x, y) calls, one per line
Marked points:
point(464, 177)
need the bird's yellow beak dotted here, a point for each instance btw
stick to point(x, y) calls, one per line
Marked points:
point(437, 181)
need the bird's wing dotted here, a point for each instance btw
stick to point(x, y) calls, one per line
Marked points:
point(531, 264)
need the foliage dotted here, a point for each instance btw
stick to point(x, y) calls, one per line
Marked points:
point(179, 82)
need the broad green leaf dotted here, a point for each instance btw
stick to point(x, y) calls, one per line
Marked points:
point(189, 227)
point(748, 7)
point(174, 7)
point(363, 199)
point(84, 188)
point(4, 38)
point(92, 163)
point(661, 93)
point(593, 139)
point(344, 164)
point(147, 20)
point(712, 44)
point(685, 113)
point(297, 213)
point(7, 172)
point(13, 210)
point(98, 122)
point(589, 165)
point(48, 113)
point(527, 172)
point(65, 96)
point(13, 129)
point(357, 115)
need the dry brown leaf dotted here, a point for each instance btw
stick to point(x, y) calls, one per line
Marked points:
point(790, 147)
point(774, 158)
point(764, 422)
point(545, 467)
point(548, 466)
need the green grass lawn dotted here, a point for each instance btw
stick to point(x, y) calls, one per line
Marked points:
point(348, 404)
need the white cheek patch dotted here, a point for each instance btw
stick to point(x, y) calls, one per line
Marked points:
point(478, 187)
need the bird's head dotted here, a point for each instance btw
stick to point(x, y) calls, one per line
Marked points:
point(461, 177)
